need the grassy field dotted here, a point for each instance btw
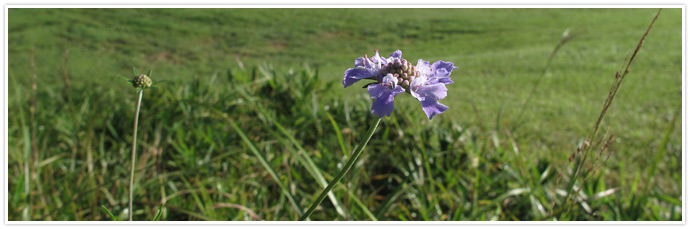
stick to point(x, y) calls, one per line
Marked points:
point(501, 152)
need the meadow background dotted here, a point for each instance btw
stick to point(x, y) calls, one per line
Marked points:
point(501, 152)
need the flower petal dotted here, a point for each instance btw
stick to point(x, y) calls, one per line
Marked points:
point(432, 107)
point(383, 103)
point(428, 94)
point(440, 72)
point(423, 67)
point(389, 80)
point(378, 59)
point(434, 91)
point(353, 75)
point(397, 54)
point(359, 62)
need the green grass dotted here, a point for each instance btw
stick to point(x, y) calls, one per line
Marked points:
point(276, 74)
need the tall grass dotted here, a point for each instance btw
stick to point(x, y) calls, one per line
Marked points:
point(436, 171)
point(346, 168)
point(584, 151)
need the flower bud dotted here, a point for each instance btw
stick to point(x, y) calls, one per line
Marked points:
point(141, 81)
point(405, 83)
point(404, 75)
point(400, 80)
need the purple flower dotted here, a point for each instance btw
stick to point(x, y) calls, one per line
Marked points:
point(394, 75)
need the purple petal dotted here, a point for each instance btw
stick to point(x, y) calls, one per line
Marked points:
point(441, 72)
point(431, 107)
point(353, 75)
point(428, 95)
point(423, 67)
point(359, 62)
point(434, 91)
point(383, 103)
point(447, 66)
point(378, 59)
point(397, 54)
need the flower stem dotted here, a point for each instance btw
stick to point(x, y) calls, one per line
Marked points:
point(341, 174)
point(134, 149)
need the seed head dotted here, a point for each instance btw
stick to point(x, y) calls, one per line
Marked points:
point(141, 81)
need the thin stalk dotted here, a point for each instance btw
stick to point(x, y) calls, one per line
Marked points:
point(341, 174)
point(134, 149)
point(583, 151)
point(565, 38)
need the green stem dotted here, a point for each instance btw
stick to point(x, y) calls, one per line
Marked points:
point(134, 149)
point(341, 174)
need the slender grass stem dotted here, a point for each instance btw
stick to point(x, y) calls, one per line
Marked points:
point(341, 174)
point(583, 152)
point(566, 37)
point(134, 149)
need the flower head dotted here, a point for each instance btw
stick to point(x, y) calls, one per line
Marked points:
point(395, 75)
point(141, 81)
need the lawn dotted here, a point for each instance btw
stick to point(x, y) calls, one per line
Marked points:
point(501, 152)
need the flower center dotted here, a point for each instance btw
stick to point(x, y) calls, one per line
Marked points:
point(402, 70)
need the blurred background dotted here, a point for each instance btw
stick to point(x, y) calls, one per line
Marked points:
point(501, 152)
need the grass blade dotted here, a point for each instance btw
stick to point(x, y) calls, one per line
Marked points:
point(158, 213)
point(389, 202)
point(112, 217)
point(658, 155)
point(311, 167)
point(263, 162)
point(346, 168)
point(341, 142)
